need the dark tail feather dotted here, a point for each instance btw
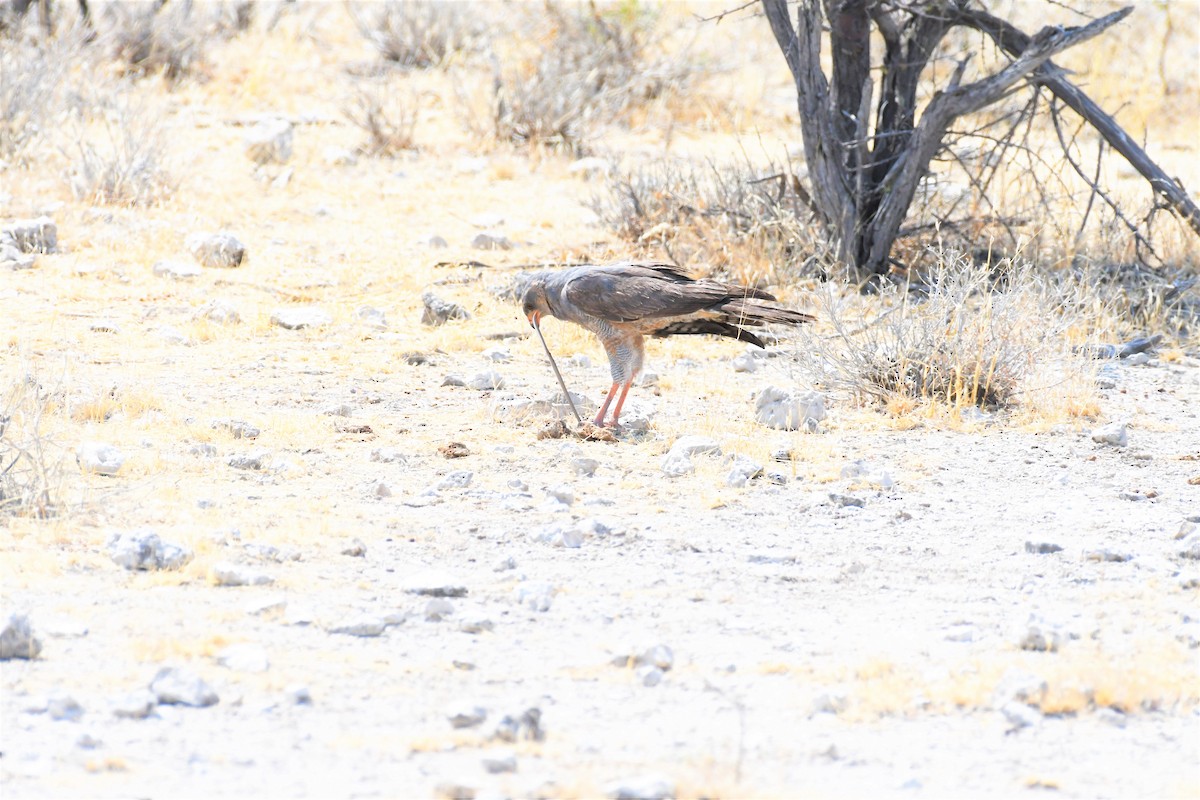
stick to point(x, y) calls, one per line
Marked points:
point(751, 312)
point(710, 327)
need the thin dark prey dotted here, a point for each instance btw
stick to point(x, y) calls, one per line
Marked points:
point(558, 375)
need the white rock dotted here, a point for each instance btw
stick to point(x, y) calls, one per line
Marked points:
point(180, 686)
point(299, 317)
point(745, 363)
point(142, 549)
point(17, 639)
point(336, 156)
point(219, 250)
point(433, 241)
point(486, 381)
point(227, 574)
point(178, 270)
point(244, 658)
point(534, 595)
point(742, 470)
point(781, 409)
point(270, 141)
point(99, 457)
point(365, 625)
point(491, 241)
point(1114, 434)
point(432, 583)
point(467, 716)
point(641, 787)
point(135, 705)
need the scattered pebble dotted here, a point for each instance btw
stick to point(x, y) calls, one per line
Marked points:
point(678, 460)
point(227, 574)
point(299, 694)
point(365, 625)
point(486, 381)
point(526, 725)
point(583, 466)
point(218, 250)
point(17, 639)
point(500, 762)
point(1107, 555)
point(181, 686)
point(372, 317)
point(38, 235)
point(300, 317)
point(435, 584)
point(491, 241)
point(336, 156)
point(742, 470)
point(438, 608)
point(1042, 548)
point(534, 595)
point(1039, 637)
point(220, 312)
point(100, 458)
point(781, 409)
point(467, 716)
point(142, 549)
point(846, 500)
point(439, 312)
point(432, 241)
point(649, 676)
point(176, 270)
point(460, 479)
point(641, 787)
point(64, 707)
point(355, 548)
point(135, 705)
point(1114, 434)
point(254, 460)
point(269, 142)
point(454, 450)
point(476, 625)
point(237, 428)
point(244, 658)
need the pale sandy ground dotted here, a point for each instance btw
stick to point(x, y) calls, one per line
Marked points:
point(819, 650)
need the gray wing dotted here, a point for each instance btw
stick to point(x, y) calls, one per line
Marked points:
point(646, 290)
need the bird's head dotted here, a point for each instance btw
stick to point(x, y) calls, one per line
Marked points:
point(534, 304)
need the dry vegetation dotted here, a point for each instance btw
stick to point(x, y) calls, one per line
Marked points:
point(133, 140)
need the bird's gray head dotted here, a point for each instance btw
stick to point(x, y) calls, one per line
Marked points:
point(534, 304)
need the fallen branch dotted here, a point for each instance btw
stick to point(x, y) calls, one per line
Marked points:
point(1014, 42)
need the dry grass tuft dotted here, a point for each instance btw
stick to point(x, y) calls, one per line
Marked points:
point(148, 40)
point(386, 117)
point(118, 158)
point(583, 68)
point(31, 76)
point(416, 33)
point(30, 463)
point(967, 337)
point(752, 223)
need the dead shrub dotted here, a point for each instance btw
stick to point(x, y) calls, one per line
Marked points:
point(387, 118)
point(753, 223)
point(147, 39)
point(118, 158)
point(588, 67)
point(965, 337)
point(416, 33)
point(30, 78)
point(30, 463)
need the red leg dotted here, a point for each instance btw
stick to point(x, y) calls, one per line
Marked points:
point(599, 423)
point(621, 400)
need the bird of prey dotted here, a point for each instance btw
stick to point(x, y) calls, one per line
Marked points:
point(624, 302)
